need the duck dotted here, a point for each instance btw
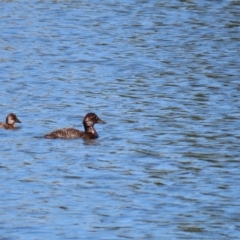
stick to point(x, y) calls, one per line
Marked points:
point(11, 119)
point(88, 122)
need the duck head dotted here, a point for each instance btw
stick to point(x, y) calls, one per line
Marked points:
point(11, 119)
point(90, 119)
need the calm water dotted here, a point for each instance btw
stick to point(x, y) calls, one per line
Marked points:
point(164, 75)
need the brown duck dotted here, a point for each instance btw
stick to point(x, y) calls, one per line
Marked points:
point(88, 122)
point(11, 119)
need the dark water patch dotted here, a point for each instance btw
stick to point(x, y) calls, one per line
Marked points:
point(72, 177)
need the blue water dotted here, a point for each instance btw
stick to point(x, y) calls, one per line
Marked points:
point(164, 75)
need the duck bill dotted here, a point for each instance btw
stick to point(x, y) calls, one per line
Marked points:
point(100, 121)
point(17, 120)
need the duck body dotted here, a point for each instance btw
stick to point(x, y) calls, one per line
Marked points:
point(11, 119)
point(68, 133)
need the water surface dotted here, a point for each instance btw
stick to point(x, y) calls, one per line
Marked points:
point(164, 75)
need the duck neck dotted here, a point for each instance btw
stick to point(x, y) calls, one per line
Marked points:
point(9, 126)
point(91, 130)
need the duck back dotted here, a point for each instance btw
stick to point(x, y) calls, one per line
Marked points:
point(65, 133)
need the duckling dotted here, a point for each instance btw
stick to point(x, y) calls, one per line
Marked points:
point(88, 122)
point(11, 119)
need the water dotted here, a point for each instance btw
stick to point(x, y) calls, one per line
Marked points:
point(164, 75)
